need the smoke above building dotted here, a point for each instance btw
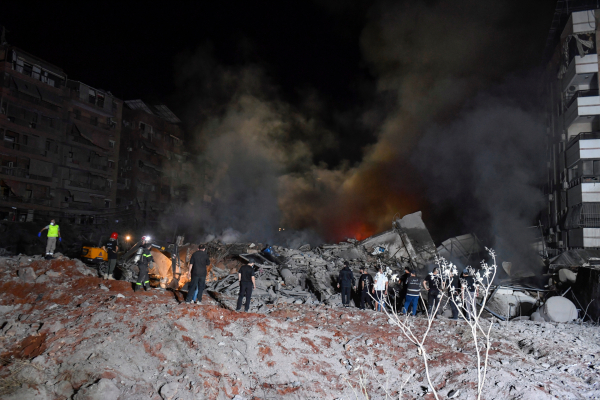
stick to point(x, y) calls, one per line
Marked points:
point(451, 132)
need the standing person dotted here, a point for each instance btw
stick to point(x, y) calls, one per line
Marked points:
point(365, 284)
point(413, 288)
point(380, 288)
point(53, 235)
point(111, 247)
point(454, 294)
point(469, 293)
point(403, 279)
point(346, 281)
point(247, 283)
point(432, 284)
point(197, 274)
point(144, 263)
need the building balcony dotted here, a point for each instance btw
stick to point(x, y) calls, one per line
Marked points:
point(580, 71)
point(582, 107)
point(584, 237)
point(585, 145)
point(23, 173)
point(31, 200)
point(84, 185)
point(586, 191)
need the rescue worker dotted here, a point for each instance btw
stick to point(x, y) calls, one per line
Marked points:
point(53, 235)
point(454, 294)
point(413, 288)
point(365, 284)
point(380, 288)
point(403, 279)
point(197, 274)
point(144, 264)
point(346, 281)
point(247, 283)
point(469, 293)
point(111, 247)
point(432, 284)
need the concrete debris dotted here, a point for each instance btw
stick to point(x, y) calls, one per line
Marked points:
point(511, 303)
point(309, 275)
point(105, 389)
point(27, 274)
point(169, 391)
point(89, 343)
point(566, 275)
point(558, 309)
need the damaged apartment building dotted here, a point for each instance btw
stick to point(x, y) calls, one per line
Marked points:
point(59, 143)
point(572, 101)
point(154, 174)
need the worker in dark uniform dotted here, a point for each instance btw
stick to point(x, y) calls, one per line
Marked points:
point(346, 283)
point(413, 289)
point(111, 247)
point(144, 264)
point(469, 294)
point(432, 284)
point(197, 274)
point(365, 284)
point(454, 294)
point(247, 283)
point(403, 287)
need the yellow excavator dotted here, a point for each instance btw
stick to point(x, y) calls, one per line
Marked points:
point(93, 255)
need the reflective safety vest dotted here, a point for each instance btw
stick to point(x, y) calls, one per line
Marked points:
point(52, 230)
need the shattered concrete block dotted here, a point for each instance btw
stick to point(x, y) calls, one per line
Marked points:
point(566, 275)
point(27, 274)
point(63, 390)
point(41, 279)
point(105, 389)
point(558, 309)
point(169, 390)
point(53, 274)
point(537, 317)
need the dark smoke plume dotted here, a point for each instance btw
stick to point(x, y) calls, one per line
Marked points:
point(435, 147)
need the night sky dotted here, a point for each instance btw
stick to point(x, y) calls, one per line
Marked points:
point(325, 66)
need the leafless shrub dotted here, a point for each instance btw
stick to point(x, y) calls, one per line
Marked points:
point(480, 328)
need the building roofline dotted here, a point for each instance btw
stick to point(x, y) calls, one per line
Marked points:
point(10, 46)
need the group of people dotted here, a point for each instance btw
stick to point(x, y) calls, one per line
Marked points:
point(197, 275)
point(462, 288)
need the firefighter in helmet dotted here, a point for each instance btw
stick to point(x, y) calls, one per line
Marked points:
point(111, 247)
point(144, 264)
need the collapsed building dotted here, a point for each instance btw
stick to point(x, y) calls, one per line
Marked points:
point(308, 275)
point(302, 275)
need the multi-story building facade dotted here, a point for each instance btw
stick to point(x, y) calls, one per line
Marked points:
point(59, 142)
point(572, 218)
point(152, 178)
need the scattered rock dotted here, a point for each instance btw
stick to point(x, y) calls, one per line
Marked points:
point(105, 389)
point(101, 286)
point(41, 279)
point(169, 390)
point(27, 274)
point(53, 274)
point(120, 296)
point(63, 390)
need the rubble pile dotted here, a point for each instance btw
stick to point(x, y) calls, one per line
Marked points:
point(309, 275)
point(67, 334)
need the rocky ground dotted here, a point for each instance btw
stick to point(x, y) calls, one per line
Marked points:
point(64, 333)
